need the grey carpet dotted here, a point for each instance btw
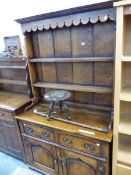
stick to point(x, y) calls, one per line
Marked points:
point(10, 165)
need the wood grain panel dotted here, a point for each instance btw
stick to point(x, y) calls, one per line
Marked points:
point(81, 38)
point(80, 144)
point(15, 141)
point(38, 131)
point(64, 72)
point(62, 42)
point(47, 90)
point(76, 164)
point(82, 97)
point(38, 151)
point(47, 50)
point(103, 99)
point(46, 47)
point(35, 44)
point(13, 75)
point(31, 67)
point(39, 71)
point(36, 53)
point(41, 155)
point(42, 92)
point(103, 39)
point(103, 45)
point(82, 46)
point(15, 88)
point(7, 134)
point(49, 72)
point(103, 74)
point(2, 138)
point(83, 73)
point(63, 49)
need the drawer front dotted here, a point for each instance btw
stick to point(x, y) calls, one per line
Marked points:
point(6, 115)
point(38, 131)
point(89, 146)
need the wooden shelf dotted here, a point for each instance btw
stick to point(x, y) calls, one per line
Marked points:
point(82, 59)
point(13, 59)
point(125, 125)
point(126, 58)
point(12, 101)
point(83, 88)
point(12, 67)
point(125, 94)
point(15, 82)
point(123, 169)
point(124, 154)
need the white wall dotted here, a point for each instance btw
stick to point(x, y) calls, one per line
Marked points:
point(14, 9)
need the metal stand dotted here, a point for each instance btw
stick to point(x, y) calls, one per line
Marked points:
point(58, 96)
point(62, 108)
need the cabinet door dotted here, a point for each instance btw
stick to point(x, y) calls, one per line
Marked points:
point(76, 164)
point(41, 155)
point(10, 141)
point(3, 145)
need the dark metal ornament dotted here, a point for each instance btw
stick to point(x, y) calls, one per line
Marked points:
point(59, 97)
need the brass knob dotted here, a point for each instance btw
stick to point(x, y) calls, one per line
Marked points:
point(89, 147)
point(45, 135)
point(28, 130)
point(67, 141)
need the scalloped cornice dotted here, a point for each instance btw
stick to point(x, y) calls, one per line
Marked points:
point(75, 20)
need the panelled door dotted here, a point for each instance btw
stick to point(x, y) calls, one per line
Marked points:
point(41, 155)
point(9, 140)
point(76, 164)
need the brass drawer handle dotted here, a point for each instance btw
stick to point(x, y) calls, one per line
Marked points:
point(67, 141)
point(101, 169)
point(60, 158)
point(89, 147)
point(28, 130)
point(45, 135)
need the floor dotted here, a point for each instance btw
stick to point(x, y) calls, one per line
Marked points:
point(8, 165)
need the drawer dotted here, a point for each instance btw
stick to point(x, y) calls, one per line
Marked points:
point(89, 146)
point(6, 115)
point(38, 131)
point(123, 170)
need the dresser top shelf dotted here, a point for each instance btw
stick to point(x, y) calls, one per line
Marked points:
point(12, 101)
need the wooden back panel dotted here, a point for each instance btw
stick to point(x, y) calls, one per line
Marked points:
point(91, 40)
point(13, 75)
